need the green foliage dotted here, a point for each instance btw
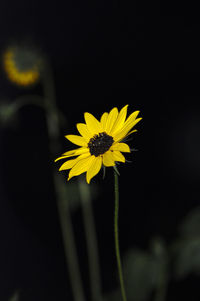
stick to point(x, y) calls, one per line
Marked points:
point(8, 114)
point(146, 273)
point(187, 250)
point(190, 227)
point(187, 258)
point(141, 271)
point(15, 296)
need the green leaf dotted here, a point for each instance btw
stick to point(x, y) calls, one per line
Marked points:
point(141, 274)
point(15, 296)
point(8, 114)
point(190, 226)
point(187, 258)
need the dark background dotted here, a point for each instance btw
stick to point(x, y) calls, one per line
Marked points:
point(103, 54)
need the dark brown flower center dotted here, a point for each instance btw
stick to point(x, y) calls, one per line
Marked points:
point(99, 144)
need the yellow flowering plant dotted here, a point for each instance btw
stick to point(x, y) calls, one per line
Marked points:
point(101, 144)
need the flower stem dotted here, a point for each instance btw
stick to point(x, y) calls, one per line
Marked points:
point(160, 252)
point(52, 118)
point(116, 215)
point(91, 240)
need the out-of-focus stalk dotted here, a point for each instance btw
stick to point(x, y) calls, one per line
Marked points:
point(92, 246)
point(60, 186)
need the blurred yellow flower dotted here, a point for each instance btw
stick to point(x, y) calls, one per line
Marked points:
point(100, 142)
point(21, 65)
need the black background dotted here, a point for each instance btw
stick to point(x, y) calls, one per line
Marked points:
point(103, 54)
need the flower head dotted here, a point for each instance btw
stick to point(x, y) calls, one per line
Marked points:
point(22, 65)
point(100, 142)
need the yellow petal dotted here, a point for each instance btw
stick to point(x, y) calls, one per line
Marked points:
point(132, 117)
point(78, 140)
point(128, 126)
point(108, 159)
point(83, 130)
point(103, 120)
point(70, 163)
point(94, 168)
point(74, 152)
point(93, 124)
point(117, 156)
point(131, 132)
point(122, 147)
point(81, 166)
point(124, 132)
point(112, 116)
point(120, 120)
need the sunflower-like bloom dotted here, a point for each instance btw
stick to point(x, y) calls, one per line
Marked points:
point(21, 65)
point(100, 142)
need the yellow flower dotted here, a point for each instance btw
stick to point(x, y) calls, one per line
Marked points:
point(21, 65)
point(100, 142)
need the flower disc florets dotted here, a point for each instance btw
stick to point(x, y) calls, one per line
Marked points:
point(100, 143)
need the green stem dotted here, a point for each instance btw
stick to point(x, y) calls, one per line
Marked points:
point(25, 100)
point(161, 290)
point(92, 246)
point(116, 216)
point(52, 117)
point(160, 252)
point(68, 238)
point(35, 100)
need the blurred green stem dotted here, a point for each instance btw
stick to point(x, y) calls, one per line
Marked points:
point(161, 289)
point(36, 100)
point(161, 254)
point(92, 246)
point(116, 216)
point(60, 186)
point(25, 100)
point(15, 296)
